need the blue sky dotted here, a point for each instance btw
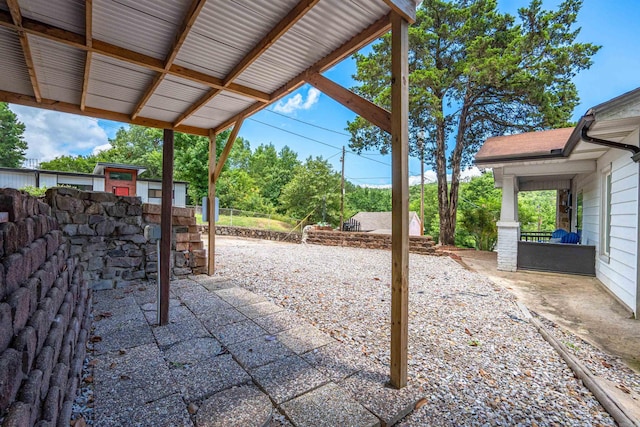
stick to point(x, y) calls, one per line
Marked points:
point(612, 24)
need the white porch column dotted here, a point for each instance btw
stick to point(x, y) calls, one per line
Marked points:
point(508, 226)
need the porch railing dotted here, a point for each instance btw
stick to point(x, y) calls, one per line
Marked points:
point(535, 236)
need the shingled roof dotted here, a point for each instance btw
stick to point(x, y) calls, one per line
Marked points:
point(534, 145)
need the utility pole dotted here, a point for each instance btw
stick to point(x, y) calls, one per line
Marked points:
point(421, 146)
point(342, 191)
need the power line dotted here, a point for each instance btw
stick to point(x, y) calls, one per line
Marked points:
point(317, 141)
point(307, 123)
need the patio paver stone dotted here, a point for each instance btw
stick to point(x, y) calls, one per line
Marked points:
point(304, 338)
point(238, 406)
point(238, 332)
point(259, 351)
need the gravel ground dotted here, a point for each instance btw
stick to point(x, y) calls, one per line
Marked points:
point(478, 362)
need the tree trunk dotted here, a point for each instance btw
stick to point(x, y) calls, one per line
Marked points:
point(443, 194)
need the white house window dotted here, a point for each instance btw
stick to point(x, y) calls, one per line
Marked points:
point(605, 244)
point(155, 194)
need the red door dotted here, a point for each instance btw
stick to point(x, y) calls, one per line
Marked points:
point(121, 191)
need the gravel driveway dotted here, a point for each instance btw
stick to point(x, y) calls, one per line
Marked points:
point(478, 362)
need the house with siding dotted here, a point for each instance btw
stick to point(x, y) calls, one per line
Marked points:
point(595, 164)
point(120, 179)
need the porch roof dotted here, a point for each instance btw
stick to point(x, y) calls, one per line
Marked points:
point(192, 66)
point(529, 145)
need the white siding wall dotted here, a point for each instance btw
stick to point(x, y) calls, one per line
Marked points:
point(180, 198)
point(180, 191)
point(142, 190)
point(48, 180)
point(76, 180)
point(10, 179)
point(618, 271)
point(98, 184)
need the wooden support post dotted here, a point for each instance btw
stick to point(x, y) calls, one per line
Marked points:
point(211, 206)
point(165, 225)
point(400, 199)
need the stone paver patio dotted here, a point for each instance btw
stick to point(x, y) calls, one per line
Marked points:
point(229, 357)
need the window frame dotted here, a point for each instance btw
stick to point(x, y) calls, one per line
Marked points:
point(606, 208)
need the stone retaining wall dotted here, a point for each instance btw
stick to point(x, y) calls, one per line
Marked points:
point(417, 244)
point(44, 315)
point(254, 233)
point(106, 232)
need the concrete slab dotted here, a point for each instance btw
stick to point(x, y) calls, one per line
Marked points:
point(167, 411)
point(183, 325)
point(203, 301)
point(304, 338)
point(208, 376)
point(124, 329)
point(238, 297)
point(238, 406)
point(328, 405)
point(336, 361)
point(278, 322)
point(370, 388)
point(259, 351)
point(216, 318)
point(287, 378)
point(238, 332)
point(131, 378)
point(264, 308)
point(193, 350)
point(213, 283)
point(580, 304)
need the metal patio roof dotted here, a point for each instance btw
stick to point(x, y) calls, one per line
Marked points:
point(193, 66)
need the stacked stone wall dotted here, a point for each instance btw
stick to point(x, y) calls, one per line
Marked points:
point(417, 244)
point(254, 233)
point(188, 255)
point(107, 232)
point(44, 315)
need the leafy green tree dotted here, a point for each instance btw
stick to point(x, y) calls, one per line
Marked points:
point(479, 211)
point(273, 170)
point(364, 199)
point(431, 227)
point(537, 210)
point(67, 163)
point(12, 144)
point(315, 189)
point(474, 72)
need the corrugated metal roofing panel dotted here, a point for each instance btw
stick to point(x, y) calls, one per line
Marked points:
point(145, 26)
point(59, 69)
point(159, 113)
point(209, 47)
point(222, 107)
point(13, 68)
point(173, 97)
point(117, 81)
point(208, 117)
point(308, 42)
point(228, 101)
point(67, 14)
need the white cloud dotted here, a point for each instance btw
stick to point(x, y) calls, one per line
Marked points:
point(99, 148)
point(51, 134)
point(296, 102)
point(430, 176)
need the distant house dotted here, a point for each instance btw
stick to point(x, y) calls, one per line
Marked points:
point(116, 178)
point(594, 167)
point(380, 222)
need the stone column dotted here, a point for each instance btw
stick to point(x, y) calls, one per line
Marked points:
point(508, 226)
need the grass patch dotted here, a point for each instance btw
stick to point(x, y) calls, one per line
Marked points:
point(250, 222)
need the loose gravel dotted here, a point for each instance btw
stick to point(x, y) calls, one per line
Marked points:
point(477, 360)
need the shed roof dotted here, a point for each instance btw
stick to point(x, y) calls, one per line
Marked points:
point(529, 145)
point(100, 167)
point(190, 66)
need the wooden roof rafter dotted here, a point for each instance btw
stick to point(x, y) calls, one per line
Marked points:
point(181, 36)
point(366, 36)
point(265, 43)
point(16, 18)
point(88, 32)
point(69, 38)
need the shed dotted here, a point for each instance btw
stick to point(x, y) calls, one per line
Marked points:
point(380, 222)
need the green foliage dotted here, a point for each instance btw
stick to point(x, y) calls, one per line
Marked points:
point(84, 164)
point(363, 199)
point(475, 71)
point(478, 213)
point(315, 189)
point(34, 191)
point(537, 210)
point(12, 144)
